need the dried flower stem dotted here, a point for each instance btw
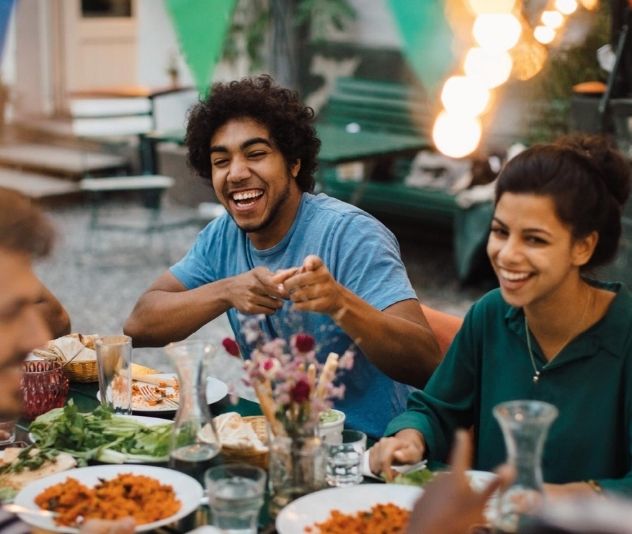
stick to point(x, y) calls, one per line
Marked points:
point(327, 375)
point(268, 406)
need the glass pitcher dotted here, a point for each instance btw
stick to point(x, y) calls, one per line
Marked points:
point(194, 442)
point(525, 424)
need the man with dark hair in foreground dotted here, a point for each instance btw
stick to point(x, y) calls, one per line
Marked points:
point(26, 235)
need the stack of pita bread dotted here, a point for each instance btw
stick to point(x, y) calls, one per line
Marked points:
point(77, 347)
point(237, 434)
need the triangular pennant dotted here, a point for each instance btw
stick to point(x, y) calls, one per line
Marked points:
point(427, 39)
point(201, 27)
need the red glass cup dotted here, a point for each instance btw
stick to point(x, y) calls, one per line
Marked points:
point(44, 387)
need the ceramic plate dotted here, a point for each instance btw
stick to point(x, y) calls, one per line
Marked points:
point(216, 390)
point(316, 507)
point(188, 492)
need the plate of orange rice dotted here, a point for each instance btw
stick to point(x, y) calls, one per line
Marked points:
point(368, 508)
point(152, 496)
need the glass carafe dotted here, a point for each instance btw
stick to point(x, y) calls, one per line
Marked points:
point(194, 442)
point(525, 425)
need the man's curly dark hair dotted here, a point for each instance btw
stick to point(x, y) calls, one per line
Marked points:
point(289, 123)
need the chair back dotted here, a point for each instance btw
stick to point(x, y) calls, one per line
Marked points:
point(111, 117)
point(443, 325)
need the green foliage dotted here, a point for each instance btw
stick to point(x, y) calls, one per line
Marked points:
point(252, 20)
point(552, 89)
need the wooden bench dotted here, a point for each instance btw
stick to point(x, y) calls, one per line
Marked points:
point(381, 125)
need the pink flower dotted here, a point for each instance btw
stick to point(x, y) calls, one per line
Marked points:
point(231, 346)
point(300, 392)
point(304, 342)
point(269, 368)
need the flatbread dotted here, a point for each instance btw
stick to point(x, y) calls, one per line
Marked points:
point(235, 433)
point(62, 462)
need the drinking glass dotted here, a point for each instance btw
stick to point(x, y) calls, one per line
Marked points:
point(525, 424)
point(44, 387)
point(235, 494)
point(7, 431)
point(344, 459)
point(114, 363)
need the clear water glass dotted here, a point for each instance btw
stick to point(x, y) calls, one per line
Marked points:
point(525, 425)
point(235, 494)
point(344, 459)
point(114, 365)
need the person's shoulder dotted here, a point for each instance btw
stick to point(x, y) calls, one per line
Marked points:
point(490, 305)
point(219, 226)
point(336, 208)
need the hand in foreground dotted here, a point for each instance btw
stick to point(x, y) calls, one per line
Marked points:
point(101, 526)
point(312, 287)
point(256, 292)
point(449, 505)
point(405, 447)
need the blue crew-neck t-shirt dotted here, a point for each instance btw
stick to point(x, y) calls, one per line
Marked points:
point(361, 254)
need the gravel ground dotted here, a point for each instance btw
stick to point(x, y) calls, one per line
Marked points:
point(100, 288)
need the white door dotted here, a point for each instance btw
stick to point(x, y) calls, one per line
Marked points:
point(100, 39)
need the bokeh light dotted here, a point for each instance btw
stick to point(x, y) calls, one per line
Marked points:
point(590, 5)
point(497, 31)
point(490, 68)
point(529, 58)
point(491, 6)
point(456, 136)
point(466, 96)
point(566, 7)
point(552, 19)
point(544, 34)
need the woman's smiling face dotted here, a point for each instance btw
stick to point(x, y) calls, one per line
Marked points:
point(531, 250)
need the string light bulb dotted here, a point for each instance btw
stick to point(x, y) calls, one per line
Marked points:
point(496, 31)
point(552, 19)
point(544, 34)
point(566, 7)
point(590, 5)
point(491, 6)
point(465, 96)
point(491, 68)
point(456, 136)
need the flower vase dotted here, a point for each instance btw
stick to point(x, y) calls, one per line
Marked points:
point(297, 467)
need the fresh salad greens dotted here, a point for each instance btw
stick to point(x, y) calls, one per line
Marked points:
point(414, 478)
point(101, 436)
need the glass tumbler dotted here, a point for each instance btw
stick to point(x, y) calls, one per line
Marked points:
point(44, 387)
point(114, 365)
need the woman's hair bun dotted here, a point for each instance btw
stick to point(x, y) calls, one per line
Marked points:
point(611, 166)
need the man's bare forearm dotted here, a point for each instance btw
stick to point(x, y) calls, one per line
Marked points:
point(403, 349)
point(161, 317)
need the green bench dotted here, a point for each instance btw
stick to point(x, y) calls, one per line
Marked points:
point(381, 125)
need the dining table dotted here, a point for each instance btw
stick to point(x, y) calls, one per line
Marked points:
point(84, 396)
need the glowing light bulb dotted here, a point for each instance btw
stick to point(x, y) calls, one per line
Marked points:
point(544, 34)
point(590, 5)
point(489, 67)
point(491, 6)
point(497, 31)
point(466, 96)
point(456, 136)
point(566, 7)
point(529, 58)
point(552, 19)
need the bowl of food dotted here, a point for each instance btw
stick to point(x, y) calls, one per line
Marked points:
point(330, 427)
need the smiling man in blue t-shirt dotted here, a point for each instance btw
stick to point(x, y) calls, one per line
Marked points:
point(281, 248)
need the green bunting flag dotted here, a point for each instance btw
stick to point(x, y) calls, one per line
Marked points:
point(426, 38)
point(201, 27)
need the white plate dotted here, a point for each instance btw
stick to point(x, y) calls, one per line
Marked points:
point(188, 492)
point(317, 507)
point(149, 421)
point(216, 390)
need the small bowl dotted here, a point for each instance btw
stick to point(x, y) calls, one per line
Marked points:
point(330, 431)
point(44, 387)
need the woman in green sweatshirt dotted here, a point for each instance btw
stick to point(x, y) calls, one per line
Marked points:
point(548, 333)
